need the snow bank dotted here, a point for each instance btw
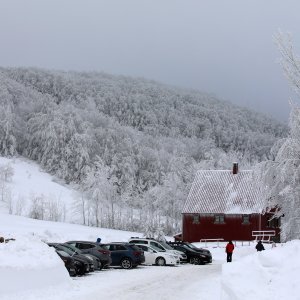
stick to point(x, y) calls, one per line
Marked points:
point(28, 263)
point(270, 274)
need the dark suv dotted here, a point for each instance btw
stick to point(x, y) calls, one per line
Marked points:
point(95, 249)
point(125, 255)
point(195, 255)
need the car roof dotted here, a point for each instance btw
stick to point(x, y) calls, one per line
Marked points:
point(142, 238)
point(117, 243)
point(83, 242)
point(53, 244)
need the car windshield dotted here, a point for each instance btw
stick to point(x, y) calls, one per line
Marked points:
point(134, 247)
point(63, 253)
point(106, 247)
point(166, 246)
point(65, 249)
point(191, 246)
point(73, 248)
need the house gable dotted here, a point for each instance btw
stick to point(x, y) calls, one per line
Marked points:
point(224, 192)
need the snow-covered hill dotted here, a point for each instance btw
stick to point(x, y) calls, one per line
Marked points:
point(29, 186)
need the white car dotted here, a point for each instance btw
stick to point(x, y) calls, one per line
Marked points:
point(158, 245)
point(156, 256)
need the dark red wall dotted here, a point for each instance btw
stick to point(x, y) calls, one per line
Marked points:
point(232, 229)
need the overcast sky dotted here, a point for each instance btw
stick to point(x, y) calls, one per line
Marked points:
point(222, 47)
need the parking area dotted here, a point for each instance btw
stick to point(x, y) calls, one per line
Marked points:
point(151, 282)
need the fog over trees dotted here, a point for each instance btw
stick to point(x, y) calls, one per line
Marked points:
point(131, 146)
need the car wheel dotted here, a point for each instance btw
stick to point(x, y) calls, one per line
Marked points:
point(100, 265)
point(192, 260)
point(160, 261)
point(197, 261)
point(126, 263)
point(80, 271)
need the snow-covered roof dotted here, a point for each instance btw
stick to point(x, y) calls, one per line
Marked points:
point(220, 191)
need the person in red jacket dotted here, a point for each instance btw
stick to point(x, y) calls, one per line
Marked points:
point(229, 251)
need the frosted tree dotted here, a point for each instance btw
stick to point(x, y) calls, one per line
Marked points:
point(38, 207)
point(281, 177)
point(101, 193)
point(80, 206)
point(281, 180)
point(8, 142)
point(289, 60)
point(6, 172)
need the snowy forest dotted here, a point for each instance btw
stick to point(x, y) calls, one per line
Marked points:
point(130, 146)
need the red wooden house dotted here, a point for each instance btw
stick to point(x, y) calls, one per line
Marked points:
point(225, 204)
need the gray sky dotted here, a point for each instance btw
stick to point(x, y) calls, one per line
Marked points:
point(222, 47)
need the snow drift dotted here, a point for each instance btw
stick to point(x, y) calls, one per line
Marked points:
point(28, 263)
point(271, 274)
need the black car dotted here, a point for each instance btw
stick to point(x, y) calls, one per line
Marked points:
point(94, 249)
point(95, 260)
point(69, 262)
point(194, 254)
point(125, 255)
point(74, 254)
point(81, 265)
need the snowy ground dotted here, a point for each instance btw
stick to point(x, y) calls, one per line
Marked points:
point(31, 270)
point(150, 282)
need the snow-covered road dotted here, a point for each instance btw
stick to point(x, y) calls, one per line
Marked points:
point(151, 282)
point(145, 282)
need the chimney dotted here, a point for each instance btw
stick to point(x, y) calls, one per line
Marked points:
point(235, 168)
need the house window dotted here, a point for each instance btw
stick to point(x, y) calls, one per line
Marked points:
point(196, 219)
point(246, 219)
point(219, 219)
point(273, 223)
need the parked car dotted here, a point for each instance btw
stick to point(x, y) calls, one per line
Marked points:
point(160, 245)
point(94, 259)
point(81, 267)
point(194, 254)
point(75, 255)
point(125, 255)
point(69, 262)
point(156, 256)
point(95, 249)
point(81, 264)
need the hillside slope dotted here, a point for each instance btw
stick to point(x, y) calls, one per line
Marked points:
point(131, 144)
point(28, 191)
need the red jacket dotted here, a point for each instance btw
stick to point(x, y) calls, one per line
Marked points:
point(229, 248)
